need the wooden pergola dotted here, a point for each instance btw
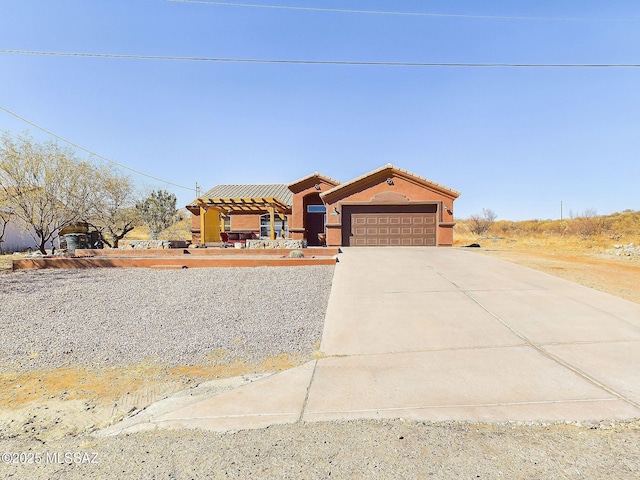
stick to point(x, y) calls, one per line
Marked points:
point(224, 206)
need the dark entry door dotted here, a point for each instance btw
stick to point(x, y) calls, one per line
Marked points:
point(314, 225)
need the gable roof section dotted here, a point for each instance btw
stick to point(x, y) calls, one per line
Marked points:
point(397, 171)
point(275, 190)
point(298, 184)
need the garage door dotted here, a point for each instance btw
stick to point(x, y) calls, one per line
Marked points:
point(392, 229)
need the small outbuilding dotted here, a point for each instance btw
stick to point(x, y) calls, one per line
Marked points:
point(388, 206)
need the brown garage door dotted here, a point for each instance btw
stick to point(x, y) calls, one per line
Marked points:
point(392, 228)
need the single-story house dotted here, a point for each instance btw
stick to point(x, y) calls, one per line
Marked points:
point(388, 206)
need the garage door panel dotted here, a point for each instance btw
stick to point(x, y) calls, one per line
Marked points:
point(392, 229)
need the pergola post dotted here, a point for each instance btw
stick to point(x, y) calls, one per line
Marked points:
point(209, 224)
point(272, 222)
point(203, 224)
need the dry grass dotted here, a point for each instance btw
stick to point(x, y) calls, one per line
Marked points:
point(6, 260)
point(85, 383)
point(577, 234)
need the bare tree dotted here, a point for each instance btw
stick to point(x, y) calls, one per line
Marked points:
point(112, 209)
point(481, 223)
point(46, 186)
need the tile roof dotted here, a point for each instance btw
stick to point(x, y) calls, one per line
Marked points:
point(277, 190)
point(316, 175)
point(399, 170)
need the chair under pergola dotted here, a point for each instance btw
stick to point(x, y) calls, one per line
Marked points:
point(210, 225)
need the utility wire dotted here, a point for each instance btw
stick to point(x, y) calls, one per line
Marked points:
point(97, 155)
point(407, 14)
point(321, 62)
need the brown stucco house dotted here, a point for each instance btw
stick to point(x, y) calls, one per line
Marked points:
point(388, 206)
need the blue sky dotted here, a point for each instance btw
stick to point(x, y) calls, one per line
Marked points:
point(516, 140)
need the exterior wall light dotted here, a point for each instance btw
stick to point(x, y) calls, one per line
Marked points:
point(317, 186)
point(390, 181)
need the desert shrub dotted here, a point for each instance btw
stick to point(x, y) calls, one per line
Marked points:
point(558, 227)
point(505, 227)
point(479, 224)
point(589, 224)
point(626, 223)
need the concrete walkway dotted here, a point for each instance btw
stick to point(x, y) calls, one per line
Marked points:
point(442, 334)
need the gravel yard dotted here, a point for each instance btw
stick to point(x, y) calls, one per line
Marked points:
point(123, 317)
point(114, 317)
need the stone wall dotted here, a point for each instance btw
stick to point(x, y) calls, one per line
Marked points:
point(144, 245)
point(280, 243)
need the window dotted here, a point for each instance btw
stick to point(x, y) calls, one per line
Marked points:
point(316, 209)
point(227, 223)
point(279, 224)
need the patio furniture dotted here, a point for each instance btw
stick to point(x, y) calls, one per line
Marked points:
point(231, 238)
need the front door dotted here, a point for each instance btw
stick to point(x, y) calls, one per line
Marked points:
point(314, 223)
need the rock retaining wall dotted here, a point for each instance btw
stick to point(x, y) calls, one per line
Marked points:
point(281, 243)
point(144, 245)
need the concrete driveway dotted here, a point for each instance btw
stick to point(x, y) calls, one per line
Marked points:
point(443, 334)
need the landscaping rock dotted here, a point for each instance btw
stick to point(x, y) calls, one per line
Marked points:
point(629, 250)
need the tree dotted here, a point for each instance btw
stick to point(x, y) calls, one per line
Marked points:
point(5, 216)
point(481, 223)
point(158, 211)
point(112, 210)
point(46, 186)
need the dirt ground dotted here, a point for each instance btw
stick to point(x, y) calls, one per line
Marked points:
point(619, 276)
point(69, 401)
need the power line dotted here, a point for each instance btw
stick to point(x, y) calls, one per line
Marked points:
point(321, 62)
point(97, 155)
point(407, 14)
